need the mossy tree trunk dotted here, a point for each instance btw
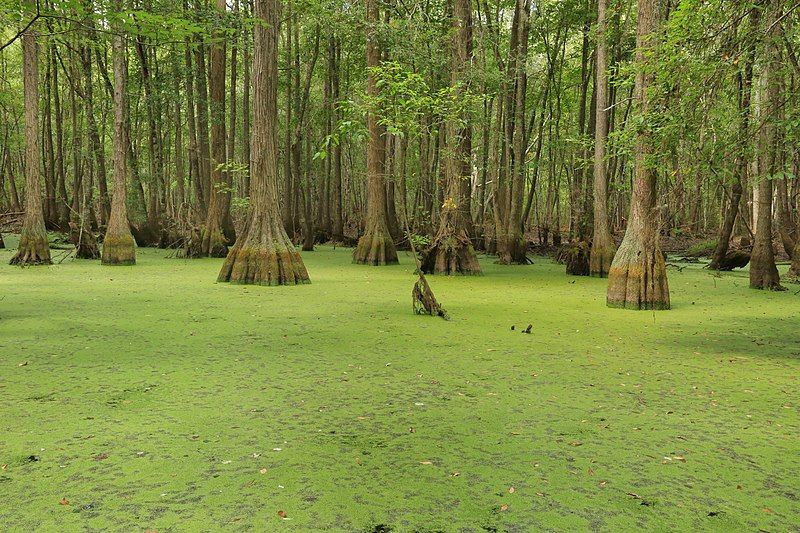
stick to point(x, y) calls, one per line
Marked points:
point(637, 278)
point(263, 253)
point(603, 248)
point(375, 247)
point(214, 243)
point(119, 247)
point(452, 251)
point(763, 272)
point(33, 246)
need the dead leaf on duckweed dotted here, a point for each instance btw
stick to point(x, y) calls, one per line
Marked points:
point(511, 490)
point(262, 471)
point(455, 474)
point(23, 363)
point(426, 462)
point(576, 443)
point(504, 508)
point(63, 501)
point(282, 514)
point(100, 457)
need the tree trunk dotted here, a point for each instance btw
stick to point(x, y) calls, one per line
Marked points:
point(263, 254)
point(512, 245)
point(214, 243)
point(119, 247)
point(33, 246)
point(637, 278)
point(603, 248)
point(451, 251)
point(375, 247)
point(763, 272)
point(336, 185)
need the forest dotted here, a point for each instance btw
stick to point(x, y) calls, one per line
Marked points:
point(530, 171)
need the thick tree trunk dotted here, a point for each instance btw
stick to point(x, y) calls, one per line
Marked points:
point(119, 247)
point(33, 246)
point(603, 247)
point(263, 254)
point(451, 251)
point(637, 278)
point(375, 247)
point(763, 272)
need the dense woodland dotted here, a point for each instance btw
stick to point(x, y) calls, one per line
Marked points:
point(249, 129)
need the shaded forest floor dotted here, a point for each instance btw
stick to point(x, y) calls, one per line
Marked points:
point(150, 397)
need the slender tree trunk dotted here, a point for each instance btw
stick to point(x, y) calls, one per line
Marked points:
point(603, 248)
point(263, 254)
point(745, 83)
point(637, 278)
point(119, 247)
point(214, 243)
point(375, 247)
point(33, 246)
point(94, 136)
point(204, 151)
point(512, 245)
point(336, 185)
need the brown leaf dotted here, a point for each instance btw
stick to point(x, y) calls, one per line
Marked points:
point(63, 501)
point(504, 508)
point(412, 430)
point(100, 457)
point(262, 471)
point(576, 443)
point(426, 462)
point(23, 363)
point(455, 474)
point(282, 514)
point(511, 490)
point(590, 471)
point(767, 510)
point(4, 467)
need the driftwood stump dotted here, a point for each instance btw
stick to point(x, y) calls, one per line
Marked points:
point(423, 301)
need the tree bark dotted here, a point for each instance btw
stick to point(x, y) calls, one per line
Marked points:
point(603, 248)
point(451, 251)
point(512, 247)
point(33, 246)
point(763, 272)
point(263, 254)
point(214, 243)
point(637, 278)
point(375, 247)
point(119, 247)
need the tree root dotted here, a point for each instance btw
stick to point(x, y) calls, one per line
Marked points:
point(260, 266)
point(32, 251)
point(375, 248)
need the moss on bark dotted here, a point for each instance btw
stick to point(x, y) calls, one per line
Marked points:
point(119, 250)
point(33, 250)
point(637, 278)
point(375, 247)
point(262, 266)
